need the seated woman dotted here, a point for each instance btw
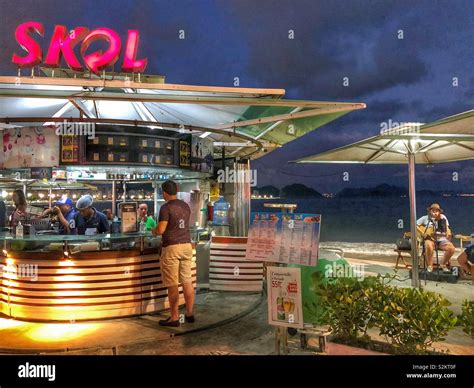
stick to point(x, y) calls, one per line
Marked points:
point(466, 260)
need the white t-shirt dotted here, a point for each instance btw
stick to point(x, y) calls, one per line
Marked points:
point(426, 221)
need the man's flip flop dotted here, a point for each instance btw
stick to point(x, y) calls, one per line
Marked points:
point(168, 322)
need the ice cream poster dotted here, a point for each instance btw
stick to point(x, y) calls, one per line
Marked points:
point(284, 297)
point(30, 147)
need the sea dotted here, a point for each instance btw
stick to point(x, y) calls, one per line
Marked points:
point(375, 223)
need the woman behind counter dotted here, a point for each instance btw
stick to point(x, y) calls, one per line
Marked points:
point(22, 211)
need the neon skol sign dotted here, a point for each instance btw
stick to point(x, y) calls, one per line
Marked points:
point(63, 42)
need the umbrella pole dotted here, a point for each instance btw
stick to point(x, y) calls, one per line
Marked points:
point(415, 280)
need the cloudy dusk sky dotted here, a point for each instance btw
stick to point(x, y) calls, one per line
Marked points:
point(407, 60)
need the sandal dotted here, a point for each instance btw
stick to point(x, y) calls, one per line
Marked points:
point(168, 322)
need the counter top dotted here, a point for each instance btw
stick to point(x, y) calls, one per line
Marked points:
point(6, 236)
point(73, 237)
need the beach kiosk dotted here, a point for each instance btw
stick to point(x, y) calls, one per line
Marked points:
point(124, 132)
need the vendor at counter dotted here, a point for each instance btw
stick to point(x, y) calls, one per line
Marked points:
point(64, 209)
point(143, 216)
point(23, 212)
point(88, 220)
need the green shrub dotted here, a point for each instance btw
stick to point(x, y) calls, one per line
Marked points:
point(466, 319)
point(346, 306)
point(410, 318)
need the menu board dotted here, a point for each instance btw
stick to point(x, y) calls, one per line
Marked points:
point(121, 149)
point(129, 217)
point(291, 238)
point(284, 297)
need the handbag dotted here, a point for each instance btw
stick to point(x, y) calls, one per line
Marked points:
point(404, 244)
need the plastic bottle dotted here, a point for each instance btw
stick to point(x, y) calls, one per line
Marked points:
point(221, 212)
point(19, 230)
point(116, 225)
point(142, 228)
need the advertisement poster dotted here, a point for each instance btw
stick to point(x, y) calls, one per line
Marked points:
point(41, 173)
point(30, 147)
point(291, 238)
point(70, 149)
point(284, 297)
point(184, 153)
point(129, 217)
point(202, 158)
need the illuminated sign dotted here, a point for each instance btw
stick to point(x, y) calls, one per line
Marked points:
point(63, 42)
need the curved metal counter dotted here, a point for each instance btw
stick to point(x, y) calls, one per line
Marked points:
point(121, 278)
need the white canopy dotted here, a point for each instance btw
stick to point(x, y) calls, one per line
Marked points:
point(247, 121)
point(447, 140)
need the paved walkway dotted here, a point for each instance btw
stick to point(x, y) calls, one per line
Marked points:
point(212, 309)
point(226, 323)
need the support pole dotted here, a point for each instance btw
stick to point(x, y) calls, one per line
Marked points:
point(114, 198)
point(155, 199)
point(415, 280)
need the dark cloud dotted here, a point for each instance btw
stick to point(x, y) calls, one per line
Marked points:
point(407, 79)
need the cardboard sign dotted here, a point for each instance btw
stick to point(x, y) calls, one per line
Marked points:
point(285, 306)
point(129, 217)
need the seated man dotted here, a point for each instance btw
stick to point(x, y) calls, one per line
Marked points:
point(434, 228)
point(466, 260)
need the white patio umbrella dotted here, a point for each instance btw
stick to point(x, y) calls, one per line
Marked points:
point(447, 140)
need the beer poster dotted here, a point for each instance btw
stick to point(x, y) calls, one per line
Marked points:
point(284, 297)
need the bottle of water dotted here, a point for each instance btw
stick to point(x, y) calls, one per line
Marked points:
point(19, 230)
point(221, 212)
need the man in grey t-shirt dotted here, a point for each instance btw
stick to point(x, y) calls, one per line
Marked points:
point(176, 253)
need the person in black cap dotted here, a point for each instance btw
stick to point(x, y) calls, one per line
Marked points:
point(88, 220)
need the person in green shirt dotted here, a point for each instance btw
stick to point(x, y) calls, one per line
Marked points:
point(150, 223)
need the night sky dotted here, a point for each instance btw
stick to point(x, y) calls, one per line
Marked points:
point(409, 79)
